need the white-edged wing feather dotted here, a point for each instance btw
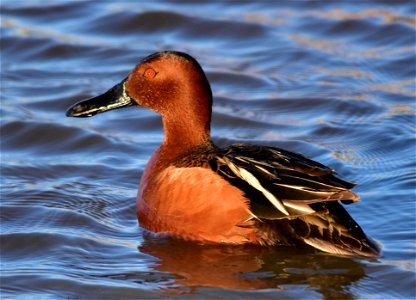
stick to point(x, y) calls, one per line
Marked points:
point(254, 182)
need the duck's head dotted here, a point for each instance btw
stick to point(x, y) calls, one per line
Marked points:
point(171, 83)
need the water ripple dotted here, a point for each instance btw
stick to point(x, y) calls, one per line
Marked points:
point(332, 80)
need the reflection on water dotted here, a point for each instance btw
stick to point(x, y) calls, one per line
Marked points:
point(334, 80)
point(248, 267)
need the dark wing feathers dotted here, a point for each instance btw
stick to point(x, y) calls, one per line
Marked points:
point(279, 183)
point(294, 199)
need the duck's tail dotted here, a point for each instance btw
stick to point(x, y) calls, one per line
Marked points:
point(331, 229)
point(339, 233)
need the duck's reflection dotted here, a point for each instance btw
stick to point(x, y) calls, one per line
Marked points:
point(249, 267)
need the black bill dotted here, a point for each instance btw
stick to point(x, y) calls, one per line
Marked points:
point(115, 97)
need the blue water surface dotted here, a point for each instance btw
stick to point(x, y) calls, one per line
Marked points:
point(333, 80)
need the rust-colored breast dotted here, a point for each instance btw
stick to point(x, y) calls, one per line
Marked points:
point(196, 204)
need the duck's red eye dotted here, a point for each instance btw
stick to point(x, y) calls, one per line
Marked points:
point(149, 73)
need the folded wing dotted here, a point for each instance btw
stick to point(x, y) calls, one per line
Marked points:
point(279, 184)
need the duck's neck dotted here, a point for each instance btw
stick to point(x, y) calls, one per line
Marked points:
point(182, 137)
point(186, 126)
point(184, 133)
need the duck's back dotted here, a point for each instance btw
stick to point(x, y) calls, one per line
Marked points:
point(292, 200)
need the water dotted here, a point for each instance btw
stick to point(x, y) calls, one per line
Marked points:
point(332, 80)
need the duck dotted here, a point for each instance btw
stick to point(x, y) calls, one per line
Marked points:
point(243, 194)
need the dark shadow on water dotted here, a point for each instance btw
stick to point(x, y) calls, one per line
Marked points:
point(251, 267)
